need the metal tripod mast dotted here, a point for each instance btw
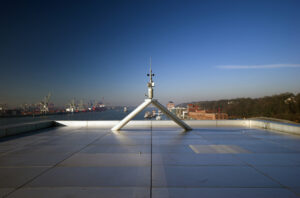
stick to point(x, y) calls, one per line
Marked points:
point(147, 102)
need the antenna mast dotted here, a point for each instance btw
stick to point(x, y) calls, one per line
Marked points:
point(150, 84)
point(147, 102)
point(150, 69)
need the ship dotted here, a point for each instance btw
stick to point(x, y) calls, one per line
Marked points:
point(99, 107)
point(158, 116)
point(149, 115)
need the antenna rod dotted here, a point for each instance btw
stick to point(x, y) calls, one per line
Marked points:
point(150, 83)
point(150, 70)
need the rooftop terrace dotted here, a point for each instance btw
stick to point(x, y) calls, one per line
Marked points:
point(150, 161)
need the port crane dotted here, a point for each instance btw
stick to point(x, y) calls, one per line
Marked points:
point(45, 104)
point(72, 106)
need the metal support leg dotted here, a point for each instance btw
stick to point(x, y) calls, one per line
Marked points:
point(171, 115)
point(142, 106)
point(131, 115)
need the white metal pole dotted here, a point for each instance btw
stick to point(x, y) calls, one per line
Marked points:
point(171, 115)
point(130, 116)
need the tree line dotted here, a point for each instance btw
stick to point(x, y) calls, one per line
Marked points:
point(282, 106)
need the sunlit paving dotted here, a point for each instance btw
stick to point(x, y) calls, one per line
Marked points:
point(150, 162)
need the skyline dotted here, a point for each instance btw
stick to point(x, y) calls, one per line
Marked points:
point(201, 50)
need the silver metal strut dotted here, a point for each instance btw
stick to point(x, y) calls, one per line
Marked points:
point(142, 106)
point(147, 102)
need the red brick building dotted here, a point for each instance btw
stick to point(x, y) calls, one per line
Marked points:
point(194, 112)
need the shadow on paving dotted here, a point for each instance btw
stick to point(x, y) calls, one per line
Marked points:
point(157, 162)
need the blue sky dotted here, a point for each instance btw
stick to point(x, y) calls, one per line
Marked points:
point(201, 50)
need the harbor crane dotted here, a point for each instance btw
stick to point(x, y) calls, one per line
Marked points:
point(45, 104)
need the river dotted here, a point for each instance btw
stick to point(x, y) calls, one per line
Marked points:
point(111, 114)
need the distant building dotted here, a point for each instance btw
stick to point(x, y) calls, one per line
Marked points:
point(180, 112)
point(3, 108)
point(194, 112)
point(170, 105)
point(192, 108)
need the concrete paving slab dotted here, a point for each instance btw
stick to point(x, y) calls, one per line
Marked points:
point(269, 159)
point(171, 149)
point(265, 147)
point(47, 149)
point(56, 131)
point(2, 153)
point(212, 148)
point(94, 177)
point(16, 142)
point(232, 137)
point(288, 176)
point(73, 140)
point(99, 163)
point(31, 159)
point(124, 140)
point(212, 176)
point(182, 136)
point(273, 136)
point(173, 134)
point(136, 135)
point(4, 149)
point(117, 149)
point(108, 159)
point(239, 142)
point(180, 141)
point(195, 159)
point(80, 192)
point(14, 177)
point(222, 192)
point(290, 143)
point(134, 131)
point(5, 191)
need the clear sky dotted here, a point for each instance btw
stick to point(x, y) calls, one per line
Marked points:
point(201, 50)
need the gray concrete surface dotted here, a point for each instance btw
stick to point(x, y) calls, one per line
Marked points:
point(15, 129)
point(150, 162)
point(269, 125)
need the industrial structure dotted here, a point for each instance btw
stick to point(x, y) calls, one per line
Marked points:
point(147, 102)
point(44, 104)
point(194, 112)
